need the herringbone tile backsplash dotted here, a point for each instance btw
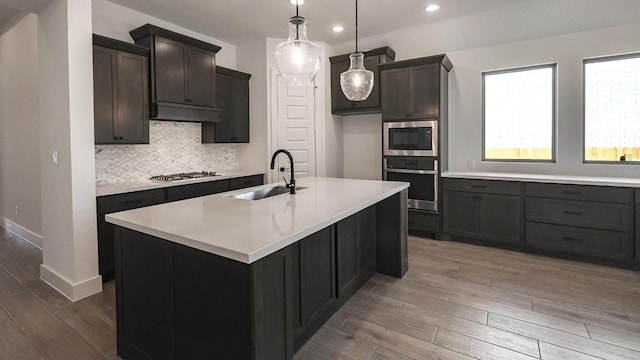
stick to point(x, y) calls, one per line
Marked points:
point(173, 147)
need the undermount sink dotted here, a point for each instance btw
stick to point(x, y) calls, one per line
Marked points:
point(264, 193)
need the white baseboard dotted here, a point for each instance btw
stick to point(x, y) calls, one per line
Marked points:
point(73, 292)
point(24, 233)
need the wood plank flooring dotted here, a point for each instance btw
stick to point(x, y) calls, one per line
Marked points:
point(38, 323)
point(461, 301)
point(457, 301)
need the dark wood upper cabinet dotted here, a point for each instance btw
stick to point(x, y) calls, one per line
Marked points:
point(183, 75)
point(232, 94)
point(120, 92)
point(340, 105)
point(411, 89)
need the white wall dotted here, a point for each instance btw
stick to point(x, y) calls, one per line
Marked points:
point(115, 21)
point(19, 140)
point(362, 136)
point(252, 58)
point(465, 125)
point(518, 35)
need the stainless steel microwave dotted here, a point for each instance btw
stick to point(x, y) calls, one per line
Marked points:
point(410, 138)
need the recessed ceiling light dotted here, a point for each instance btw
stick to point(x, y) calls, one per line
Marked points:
point(337, 29)
point(429, 8)
point(296, 2)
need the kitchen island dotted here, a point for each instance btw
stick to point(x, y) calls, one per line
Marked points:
point(226, 278)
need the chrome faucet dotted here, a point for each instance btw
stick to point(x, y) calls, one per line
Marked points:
point(291, 185)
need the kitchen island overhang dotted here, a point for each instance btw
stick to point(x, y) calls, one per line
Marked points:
point(220, 277)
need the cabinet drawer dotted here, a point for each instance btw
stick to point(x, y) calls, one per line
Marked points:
point(245, 182)
point(579, 213)
point(421, 221)
point(597, 243)
point(194, 190)
point(580, 192)
point(128, 201)
point(482, 186)
point(637, 196)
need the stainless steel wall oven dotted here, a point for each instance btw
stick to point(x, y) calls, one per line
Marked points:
point(422, 173)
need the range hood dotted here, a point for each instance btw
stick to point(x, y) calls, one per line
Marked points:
point(187, 113)
point(182, 73)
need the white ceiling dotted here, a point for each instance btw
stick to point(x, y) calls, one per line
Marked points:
point(236, 21)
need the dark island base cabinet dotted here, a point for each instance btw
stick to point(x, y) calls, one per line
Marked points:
point(121, 202)
point(176, 302)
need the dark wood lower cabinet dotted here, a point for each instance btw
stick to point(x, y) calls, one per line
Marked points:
point(591, 223)
point(176, 302)
point(482, 217)
point(114, 203)
point(182, 192)
point(120, 202)
point(638, 233)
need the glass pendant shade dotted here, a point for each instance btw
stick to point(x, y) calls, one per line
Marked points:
point(298, 59)
point(357, 82)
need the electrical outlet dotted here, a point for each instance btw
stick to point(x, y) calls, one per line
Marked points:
point(16, 210)
point(471, 164)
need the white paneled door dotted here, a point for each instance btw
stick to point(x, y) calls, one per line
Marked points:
point(294, 127)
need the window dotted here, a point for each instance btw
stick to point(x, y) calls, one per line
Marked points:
point(519, 114)
point(612, 108)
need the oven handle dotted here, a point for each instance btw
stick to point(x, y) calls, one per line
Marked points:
point(404, 171)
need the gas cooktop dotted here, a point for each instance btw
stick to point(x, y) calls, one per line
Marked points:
point(183, 176)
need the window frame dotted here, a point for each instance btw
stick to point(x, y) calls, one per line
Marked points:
point(554, 95)
point(592, 60)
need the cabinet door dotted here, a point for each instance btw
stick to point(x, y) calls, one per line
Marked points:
point(395, 94)
point(106, 259)
point(499, 218)
point(104, 95)
point(223, 130)
point(170, 71)
point(201, 77)
point(133, 99)
point(240, 91)
point(425, 92)
point(366, 231)
point(347, 254)
point(317, 276)
point(232, 96)
point(637, 231)
point(460, 215)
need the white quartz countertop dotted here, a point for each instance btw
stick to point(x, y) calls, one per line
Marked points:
point(557, 179)
point(130, 186)
point(248, 230)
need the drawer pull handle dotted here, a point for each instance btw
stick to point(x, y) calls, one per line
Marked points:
point(479, 186)
point(576, 213)
point(569, 192)
point(572, 239)
point(130, 202)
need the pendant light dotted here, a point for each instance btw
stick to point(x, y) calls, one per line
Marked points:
point(357, 82)
point(298, 59)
